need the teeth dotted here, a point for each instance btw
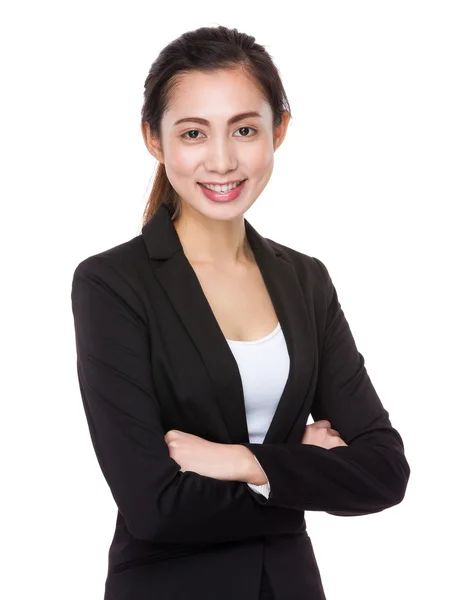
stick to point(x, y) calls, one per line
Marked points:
point(221, 188)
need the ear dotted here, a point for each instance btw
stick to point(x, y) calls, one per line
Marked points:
point(152, 142)
point(280, 130)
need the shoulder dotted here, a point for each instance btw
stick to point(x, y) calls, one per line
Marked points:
point(309, 269)
point(120, 271)
point(123, 258)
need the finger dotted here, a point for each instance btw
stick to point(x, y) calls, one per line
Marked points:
point(323, 423)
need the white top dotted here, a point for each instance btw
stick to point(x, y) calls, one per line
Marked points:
point(264, 368)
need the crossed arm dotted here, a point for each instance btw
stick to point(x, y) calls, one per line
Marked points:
point(233, 462)
point(228, 462)
point(162, 502)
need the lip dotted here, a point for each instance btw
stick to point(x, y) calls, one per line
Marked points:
point(220, 197)
point(221, 183)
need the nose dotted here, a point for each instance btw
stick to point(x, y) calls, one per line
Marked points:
point(221, 156)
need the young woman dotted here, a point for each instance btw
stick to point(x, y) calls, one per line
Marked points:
point(204, 347)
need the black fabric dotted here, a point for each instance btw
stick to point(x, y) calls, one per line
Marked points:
point(151, 357)
point(266, 591)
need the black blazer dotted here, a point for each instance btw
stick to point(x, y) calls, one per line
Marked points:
point(151, 357)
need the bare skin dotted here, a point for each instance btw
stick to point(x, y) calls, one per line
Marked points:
point(239, 300)
point(322, 434)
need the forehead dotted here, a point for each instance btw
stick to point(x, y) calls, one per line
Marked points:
point(215, 95)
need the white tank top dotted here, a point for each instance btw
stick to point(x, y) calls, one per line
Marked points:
point(264, 368)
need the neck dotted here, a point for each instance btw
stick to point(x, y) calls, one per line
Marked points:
point(221, 243)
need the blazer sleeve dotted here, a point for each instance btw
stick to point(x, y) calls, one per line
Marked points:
point(263, 489)
point(158, 501)
point(367, 476)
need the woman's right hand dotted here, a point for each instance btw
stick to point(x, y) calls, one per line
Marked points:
point(320, 433)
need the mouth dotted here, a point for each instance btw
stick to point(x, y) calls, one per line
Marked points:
point(231, 193)
point(211, 187)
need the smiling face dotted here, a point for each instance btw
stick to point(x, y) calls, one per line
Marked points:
point(204, 140)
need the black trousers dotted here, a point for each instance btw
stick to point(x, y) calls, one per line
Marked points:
point(266, 592)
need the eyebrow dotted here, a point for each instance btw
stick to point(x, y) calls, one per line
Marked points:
point(235, 119)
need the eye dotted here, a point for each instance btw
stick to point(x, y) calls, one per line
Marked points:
point(249, 128)
point(191, 131)
point(187, 135)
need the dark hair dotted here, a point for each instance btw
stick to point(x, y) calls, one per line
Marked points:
point(204, 49)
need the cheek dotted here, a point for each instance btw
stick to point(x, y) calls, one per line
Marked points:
point(180, 160)
point(260, 158)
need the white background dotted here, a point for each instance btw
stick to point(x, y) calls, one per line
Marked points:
point(370, 179)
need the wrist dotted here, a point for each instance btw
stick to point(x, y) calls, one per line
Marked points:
point(249, 469)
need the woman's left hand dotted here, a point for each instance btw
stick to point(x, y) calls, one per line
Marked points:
point(194, 453)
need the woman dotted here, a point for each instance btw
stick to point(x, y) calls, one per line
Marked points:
point(203, 347)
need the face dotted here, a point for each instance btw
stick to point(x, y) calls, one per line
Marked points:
point(209, 146)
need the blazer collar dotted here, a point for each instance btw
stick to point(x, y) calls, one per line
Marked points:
point(180, 282)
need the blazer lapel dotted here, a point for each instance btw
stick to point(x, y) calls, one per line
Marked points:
point(180, 282)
